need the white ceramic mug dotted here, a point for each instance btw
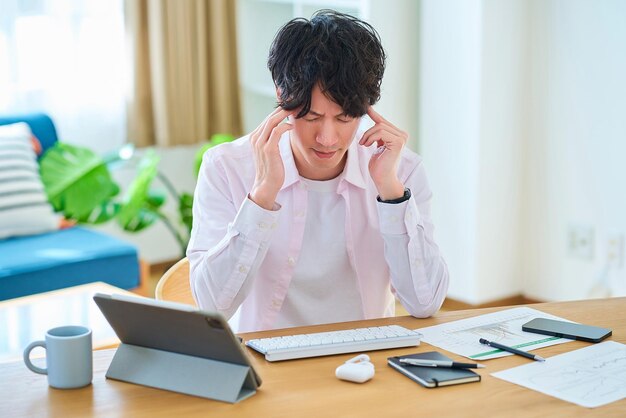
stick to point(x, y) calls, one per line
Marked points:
point(69, 358)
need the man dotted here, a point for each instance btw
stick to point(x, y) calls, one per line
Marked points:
point(311, 220)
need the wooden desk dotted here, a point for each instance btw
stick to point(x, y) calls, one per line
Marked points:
point(26, 319)
point(308, 387)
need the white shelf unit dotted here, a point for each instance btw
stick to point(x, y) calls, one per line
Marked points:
point(258, 21)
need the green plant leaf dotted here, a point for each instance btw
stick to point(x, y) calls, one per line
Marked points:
point(76, 180)
point(155, 199)
point(185, 206)
point(103, 213)
point(142, 219)
point(216, 139)
point(134, 214)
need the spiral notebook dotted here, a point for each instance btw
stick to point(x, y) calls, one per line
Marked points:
point(432, 377)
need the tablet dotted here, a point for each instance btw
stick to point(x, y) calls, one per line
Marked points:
point(174, 328)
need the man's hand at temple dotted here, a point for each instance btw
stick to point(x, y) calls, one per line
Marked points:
point(383, 165)
point(270, 171)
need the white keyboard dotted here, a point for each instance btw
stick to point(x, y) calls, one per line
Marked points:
point(335, 342)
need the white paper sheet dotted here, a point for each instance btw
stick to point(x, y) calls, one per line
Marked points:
point(505, 327)
point(592, 376)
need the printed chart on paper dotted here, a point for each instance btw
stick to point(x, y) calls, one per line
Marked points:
point(505, 327)
point(591, 376)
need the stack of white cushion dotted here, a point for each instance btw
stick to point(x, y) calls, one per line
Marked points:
point(24, 206)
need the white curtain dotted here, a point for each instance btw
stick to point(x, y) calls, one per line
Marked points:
point(66, 58)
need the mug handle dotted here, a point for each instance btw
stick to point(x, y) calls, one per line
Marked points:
point(27, 361)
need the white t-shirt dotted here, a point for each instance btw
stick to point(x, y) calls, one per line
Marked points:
point(324, 285)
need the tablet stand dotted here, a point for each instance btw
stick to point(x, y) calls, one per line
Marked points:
point(181, 373)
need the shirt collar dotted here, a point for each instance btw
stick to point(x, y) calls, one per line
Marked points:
point(352, 172)
point(291, 172)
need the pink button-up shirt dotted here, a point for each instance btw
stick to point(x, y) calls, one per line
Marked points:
point(242, 255)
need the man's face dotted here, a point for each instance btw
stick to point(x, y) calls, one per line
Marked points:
point(320, 139)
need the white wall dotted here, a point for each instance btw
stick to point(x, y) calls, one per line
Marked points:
point(523, 128)
point(396, 25)
point(449, 130)
point(502, 144)
point(577, 145)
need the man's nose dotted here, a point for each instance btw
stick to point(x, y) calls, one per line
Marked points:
point(327, 136)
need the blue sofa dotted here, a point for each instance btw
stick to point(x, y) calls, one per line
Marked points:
point(64, 258)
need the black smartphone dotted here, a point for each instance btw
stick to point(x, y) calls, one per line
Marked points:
point(567, 330)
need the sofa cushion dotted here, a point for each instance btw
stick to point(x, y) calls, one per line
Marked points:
point(65, 258)
point(24, 206)
point(40, 124)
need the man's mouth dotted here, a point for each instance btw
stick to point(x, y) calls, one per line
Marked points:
point(324, 155)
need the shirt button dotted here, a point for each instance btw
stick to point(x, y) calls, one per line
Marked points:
point(274, 225)
point(276, 303)
point(291, 261)
point(263, 225)
point(417, 263)
point(300, 214)
point(242, 269)
point(393, 218)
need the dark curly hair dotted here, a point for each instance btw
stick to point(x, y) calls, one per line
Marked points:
point(341, 53)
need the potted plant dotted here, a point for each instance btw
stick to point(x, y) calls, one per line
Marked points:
point(80, 186)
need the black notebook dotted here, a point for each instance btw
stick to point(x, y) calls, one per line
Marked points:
point(432, 377)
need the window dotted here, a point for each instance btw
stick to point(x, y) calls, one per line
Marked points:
point(66, 58)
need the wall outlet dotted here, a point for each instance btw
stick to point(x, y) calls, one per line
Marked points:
point(615, 250)
point(580, 242)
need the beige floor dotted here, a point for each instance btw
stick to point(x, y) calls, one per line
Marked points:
point(153, 279)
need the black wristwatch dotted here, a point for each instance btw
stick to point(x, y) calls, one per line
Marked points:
point(404, 198)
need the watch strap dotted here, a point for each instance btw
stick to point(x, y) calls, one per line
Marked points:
point(404, 198)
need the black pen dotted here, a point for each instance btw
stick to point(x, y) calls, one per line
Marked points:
point(512, 350)
point(440, 363)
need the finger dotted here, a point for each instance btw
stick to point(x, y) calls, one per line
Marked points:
point(268, 117)
point(273, 121)
point(375, 116)
point(381, 134)
point(379, 119)
point(254, 135)
point(279, 113)
point(385, 139)
point(275, 111)
point(277, 133)
point(370, 131)
point(391, 127)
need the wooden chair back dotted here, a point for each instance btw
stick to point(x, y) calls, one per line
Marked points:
point(174, 284)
